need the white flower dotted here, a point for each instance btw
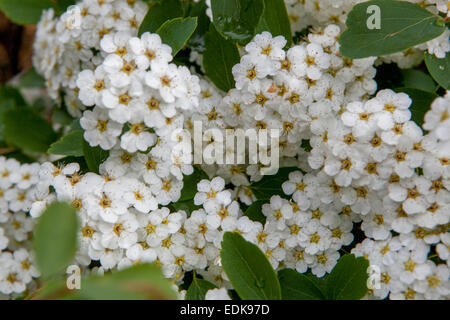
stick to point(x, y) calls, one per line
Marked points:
point(167, 190)
point(250, 71)
point(91, 85)
point(167, 80)
point(393, 108)
point(435, 286)
point(217, 294)
point(224, 216)
point(279, 210)
point(324, 262)
point(150, 51)
point(212, 194)
point(122, 70)
point(361, 118)
point(437, 119)
point(100, 129)
point(12, 280)
point(26, 176)
point(139, 196)
point(410, 267)
point(138, 137)
point(121, 233)
point(301, 187)
point(116, 43)
point(309, 60)
point(314, 237)
point(107, 204)
point(265, 44)
point(29, 270)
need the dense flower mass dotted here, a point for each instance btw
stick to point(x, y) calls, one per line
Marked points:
point(371, 179)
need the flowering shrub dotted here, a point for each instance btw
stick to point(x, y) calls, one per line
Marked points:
point(103, 173)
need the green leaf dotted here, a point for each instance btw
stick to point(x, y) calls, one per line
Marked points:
point(31, 80)
point(348, 280)
point(69, 145)
point(176, 32)
point(237, 19)
point(186, 201)
point(254, 212)
point(55, 239)
point(188, 206)
point(141, 282)
point(94, 156)
point(271, 185)
point(60, 116)
point(417, 79)
point(27, 130)
point(297, 286)
point(248, 269)
point(219, 58)
point(403, 25)
point(439, 69)
point(63, 5)
point(198, 288)
point(275, 20)
point(421, 102)
point(197, 40)
point(190, 184)
point(25, 11)
point(160, 12)
point(10, 98)
point(14, 94)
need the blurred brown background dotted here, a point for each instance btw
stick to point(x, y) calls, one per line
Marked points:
point(16, 48)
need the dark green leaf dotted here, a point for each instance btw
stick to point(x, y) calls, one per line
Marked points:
point(31, 80)
point(297, 286)
point(141, 282)
point(27, 130)
point(254, 212)
point(421, 101)
point(219, 58)
point(187, 206)
point(176, 32)
point(403, 25)
point(275, 20)
point(55, 239)
point(69, 145)
point(25, 11)
point(61, 117)
point(417, 79)
point(439, 69)
point(63, 5)
point(248, 269)
point(348, 280)
point(271, 185)
point(198, 288)
point(190, 184)
point(197, 40)
point(160, 12)
point(10, 98)
point(237, 19)
point(7, 92)
point(94, 156)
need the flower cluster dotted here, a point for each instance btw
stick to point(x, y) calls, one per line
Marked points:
point(366, 177)
point(63, 49)
point(320, 13)
point(18, 191)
